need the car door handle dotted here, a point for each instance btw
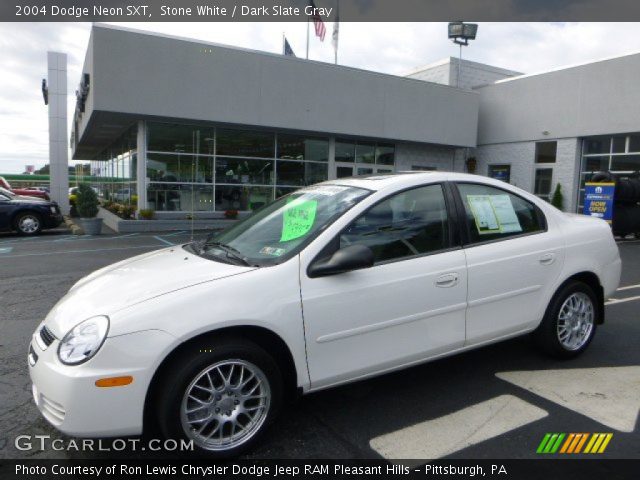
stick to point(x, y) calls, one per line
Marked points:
point(447, 280)
point(547, 258)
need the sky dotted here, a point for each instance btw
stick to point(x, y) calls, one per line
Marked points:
point(393, 48)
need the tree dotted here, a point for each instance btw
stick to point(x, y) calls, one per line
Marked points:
point(557, 200)
point(86, 201)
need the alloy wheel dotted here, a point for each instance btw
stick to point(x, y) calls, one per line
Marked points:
point(575, 321)
point(225, 405)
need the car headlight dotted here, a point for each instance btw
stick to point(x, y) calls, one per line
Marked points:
point(53, 209)
point(83, 341)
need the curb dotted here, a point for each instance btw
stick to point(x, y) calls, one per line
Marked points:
point(75, 229)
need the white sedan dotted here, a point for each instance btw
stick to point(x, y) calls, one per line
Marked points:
point(333, 283)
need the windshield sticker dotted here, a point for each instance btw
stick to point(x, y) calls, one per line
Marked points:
point(298, 219)
point(273, 251)
point(493, 214)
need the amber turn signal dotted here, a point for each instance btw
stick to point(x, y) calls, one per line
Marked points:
point(114, 381)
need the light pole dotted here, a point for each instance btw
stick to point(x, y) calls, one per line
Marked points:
point(461, 33)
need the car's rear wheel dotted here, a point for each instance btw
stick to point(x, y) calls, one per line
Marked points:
point(28, 223)
point(221, 395)
point(570, 321)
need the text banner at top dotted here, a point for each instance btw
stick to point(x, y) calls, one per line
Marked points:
point(327, 10)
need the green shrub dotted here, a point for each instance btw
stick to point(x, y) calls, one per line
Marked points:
point(557, 200)
point(146, 213)
point(86, 201)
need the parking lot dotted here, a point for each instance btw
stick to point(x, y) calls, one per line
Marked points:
point(496, 402)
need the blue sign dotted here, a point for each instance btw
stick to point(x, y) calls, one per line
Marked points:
point(598, 200)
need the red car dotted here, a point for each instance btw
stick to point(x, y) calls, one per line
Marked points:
point(29, 192)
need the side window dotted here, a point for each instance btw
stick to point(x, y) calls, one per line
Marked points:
point(410, 223)
point(493, 213)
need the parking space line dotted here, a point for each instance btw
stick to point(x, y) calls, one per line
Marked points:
point(5, 249)
point(628, 287)
point(89, 250)
point(167, 242)
point(613, 301)
point(174, 234)
point(450, 433)
point(608, 395)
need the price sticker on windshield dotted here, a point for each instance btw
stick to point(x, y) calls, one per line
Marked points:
point(298, 219)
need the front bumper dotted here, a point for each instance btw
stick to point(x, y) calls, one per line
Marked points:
point(53, 220)
point(69, 399)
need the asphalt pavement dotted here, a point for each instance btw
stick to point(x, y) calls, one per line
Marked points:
point(495, 402)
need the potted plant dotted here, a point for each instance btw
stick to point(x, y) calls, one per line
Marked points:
point(87, 207)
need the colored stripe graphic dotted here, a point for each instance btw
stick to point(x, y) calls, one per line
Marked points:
point(556, 443)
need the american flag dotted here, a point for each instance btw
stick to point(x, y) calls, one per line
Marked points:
point(321, 30)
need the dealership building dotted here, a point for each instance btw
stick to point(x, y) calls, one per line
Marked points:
point(180, 125)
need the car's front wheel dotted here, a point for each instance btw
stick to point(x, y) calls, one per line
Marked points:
point(570, 321)
point(221, 395)
point(28, 223)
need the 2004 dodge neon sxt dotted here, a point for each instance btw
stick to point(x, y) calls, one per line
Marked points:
point(333, 283)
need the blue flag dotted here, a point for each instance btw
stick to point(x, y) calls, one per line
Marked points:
point(287, 48)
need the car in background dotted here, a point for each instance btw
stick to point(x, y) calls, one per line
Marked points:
point(31, 191)
point(330, 284)
point(123, 195)
point(27, 215)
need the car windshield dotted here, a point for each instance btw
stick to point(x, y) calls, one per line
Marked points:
point(281, 229)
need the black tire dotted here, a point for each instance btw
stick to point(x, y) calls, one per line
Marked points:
point(28, 223)
point(546, 335)
point(190, 364)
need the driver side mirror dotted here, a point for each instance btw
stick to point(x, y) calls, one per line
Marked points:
point(353, 257)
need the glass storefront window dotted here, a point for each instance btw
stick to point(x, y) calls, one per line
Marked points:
point(240, 197)
point(179, 168)
point(300, 173)
point(625, 163)
point(244, 170)
point(244, 143)
point(179, 197)
point(170, 137)
point(618, 144)
point(345, 151)
point(365, 152)
point(634, 143)
point(597, 145)
point(385, 154)
point(297, 147)
point(597, 164)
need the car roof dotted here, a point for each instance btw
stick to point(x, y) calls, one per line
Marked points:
point(406, 179)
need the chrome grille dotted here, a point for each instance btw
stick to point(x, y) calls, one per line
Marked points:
point(46, 336)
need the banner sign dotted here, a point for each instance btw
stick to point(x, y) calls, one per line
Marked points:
point(598, 200)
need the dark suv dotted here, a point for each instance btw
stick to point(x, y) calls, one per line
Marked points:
point(27, 215)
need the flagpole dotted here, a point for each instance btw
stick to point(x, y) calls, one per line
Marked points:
point(307, 37)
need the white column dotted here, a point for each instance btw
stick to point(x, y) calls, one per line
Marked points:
point(141, 166)
point(58, 141)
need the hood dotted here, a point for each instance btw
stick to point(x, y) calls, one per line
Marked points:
point(27, 199)
point(133, 281)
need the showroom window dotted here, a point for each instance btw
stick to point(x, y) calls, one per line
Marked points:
point(494, 214)
point(618, 154)
point(410, 223)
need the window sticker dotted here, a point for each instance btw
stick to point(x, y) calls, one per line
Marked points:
point(273, 251)
point(493, 214)
point(326, 190)
point(298, 219)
